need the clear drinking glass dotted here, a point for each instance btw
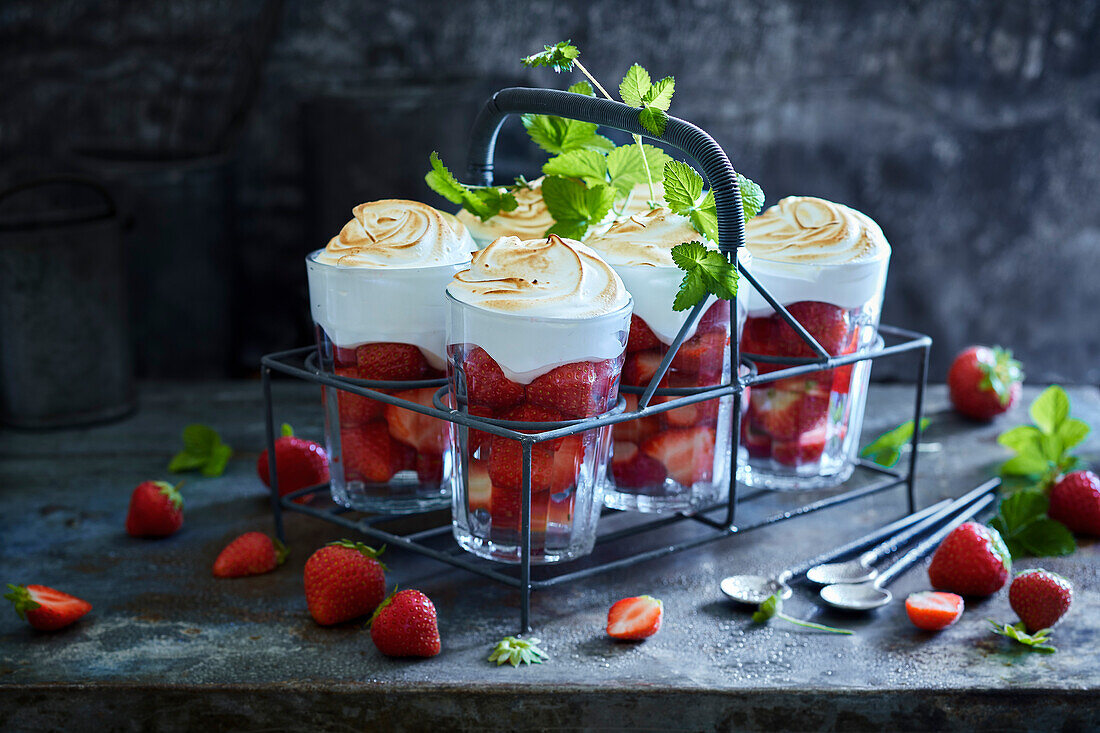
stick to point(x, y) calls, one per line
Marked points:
point(567, 473)
point(803, 432)
point(383, 324)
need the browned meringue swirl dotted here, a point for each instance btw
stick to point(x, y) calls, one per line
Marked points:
point(529, 220)
point(645, 238)
point(552, 277)
point(398, 233)
point(813, 230)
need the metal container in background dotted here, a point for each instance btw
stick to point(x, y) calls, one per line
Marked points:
point(65, 352)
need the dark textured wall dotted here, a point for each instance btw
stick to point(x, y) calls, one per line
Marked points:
point(969, 130)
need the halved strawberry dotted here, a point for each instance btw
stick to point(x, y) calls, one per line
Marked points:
point(640, 367)
point(638, 429)
point(45, 608)
point(568, 458)
point(486, 384)
point(758, 444)
point(345, 357)
point(476, 438)
point(758, 336)
point(699, 413)
point(425, 433)
point(479, 488)
point(702, 354)
point(369, 453)
point(827, 323)
point(804, 449)
point(641, 336)
point(686, 453)
point(932, 611)
point(506, 511)
point(776, 412)
point(429, 467)
point(356, 409)
point(635, 618)
point(715, 318)
point(580, 389)
point(506, 464)
point(633, 469)
point(391, 361)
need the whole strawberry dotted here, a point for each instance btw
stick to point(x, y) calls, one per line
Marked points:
point(156, 510)
point(971, 561)
point(405, 625)
point(301, 463)
point(1075, 502)
point(344, 580)
point(253, 553)
point(984, 382)
point(1039, 597)
point(44, 608)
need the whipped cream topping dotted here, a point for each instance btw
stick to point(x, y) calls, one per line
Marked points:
point(396, 233)
point(529, 220)
point(646, 238)
point(552, 277)
point(807, 248)
point(537, 304)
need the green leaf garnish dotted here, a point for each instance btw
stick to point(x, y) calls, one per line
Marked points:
point(683, 188)
point(1050, 409)
point(885, 450)
point(773, 608)
point(707, 271)
point(588, 165)
point(511, 650)
point(557, 135)
point(582, 87)
point(1023, 523)
point(203, 450)
point(575, 206)
point(634, 86)
point(1042, 449)
point(752, 196)
point(626, 167)
point(559, 57)
point(483, 202)
point(1018, 632)
point(637, 90)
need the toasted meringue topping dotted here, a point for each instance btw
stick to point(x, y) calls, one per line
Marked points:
point(639, 198)
point(814, 231)
point(646, 238)
point(529, 220)
point(552, 277)
point(398, 233)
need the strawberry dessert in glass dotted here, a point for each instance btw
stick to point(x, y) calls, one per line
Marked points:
point(529, 220)
point(826, 263)
point(677, 460)
point(536, 331)
point(376, 293)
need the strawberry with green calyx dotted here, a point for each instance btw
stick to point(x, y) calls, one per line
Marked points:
point(1075, 502)
point(203, 450)
point(984, 382)
point(1018, 632)
point(343, 581)
point(773, 608)
point(971, 561)
point(514, 651)
point(253, 553)
point(1040, 598)
point(301, 463)
point(44, 608)
point(406, 625)
point(156, 510)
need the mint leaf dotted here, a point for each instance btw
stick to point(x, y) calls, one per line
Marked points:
point(184, 461)
point(1021, 508)
point(484, 202)
point(704, 218)
point(559, 57)
point(660, 94)
point(683, 186)
point(752, 196)
point(203, 450)
point(1072, 432)
point(708, 271)
point(885, 450)
point(219, 457)
point(587, 165)
point(1045, 537)
point(626, 167)
point(634, 86)
point(1025, 465)
point(557, 135)
point(653, 120)
point(692, 290)
point(1050, 409)
point(1023, 524)
point(582, 87)
point(575, 206)
point(199, 439)
point(1022, 439)
point(1018, 632)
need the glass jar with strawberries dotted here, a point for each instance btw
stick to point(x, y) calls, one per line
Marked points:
point(827, 264)
point(536, 331)
point(677, 460)
point(376, 293)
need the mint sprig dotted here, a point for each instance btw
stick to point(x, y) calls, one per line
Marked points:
point(683, 188)
point(637, 90)
point(557, 135)
point(574, 206)
point(511, 650)
point(773, 608)
point(1018, 632)
point(1023, 523)
point(1042, 449)
point(560, 57)
point(885, 450)
point(483, 202)
point(203, 450)
point(707, 272)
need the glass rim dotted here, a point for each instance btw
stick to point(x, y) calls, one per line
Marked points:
point(311, 259)
point(617, 313)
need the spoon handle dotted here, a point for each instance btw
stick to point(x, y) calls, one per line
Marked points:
point(933, 541)
point(859, 544)
point(893, 543)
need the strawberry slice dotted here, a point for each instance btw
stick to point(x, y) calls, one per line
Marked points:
point(479, 488)
point(638, 429)
point(635, 618)
point(758, 444)
point(568, 458)
point(686, 453)
point(356, 409)
point(702, 354)
point(640, 367)
point(758, 336)
point(580, 389)
point(506, 511)
point(486, 384)
point(44, 608)
point(641, 336)
point(369, 453)
point(804, 449)
point(776, 412)
point(827, 323)
point(425, 433)
point(633, 469)
point(700, 413)
point(506, 464)
point(932, 611)
point(715, 318)
point(429, 468)
point(345, 357)
point(390, 361)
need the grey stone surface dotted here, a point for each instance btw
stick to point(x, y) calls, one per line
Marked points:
point(970, 131)
point(169, 647)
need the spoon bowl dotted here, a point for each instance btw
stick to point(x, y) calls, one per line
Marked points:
point(754, 589)
point(856, 596)
point(853, 571)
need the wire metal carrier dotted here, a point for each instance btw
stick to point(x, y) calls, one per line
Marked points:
point(433, 541)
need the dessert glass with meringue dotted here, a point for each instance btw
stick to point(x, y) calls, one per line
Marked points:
point(536, 332)
point(826, 263)
point(376, 293)
point(677, 460)
point(529, 220)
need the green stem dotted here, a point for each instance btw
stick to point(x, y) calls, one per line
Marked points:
point(645, 163)
point(812, 625)
point(592, 79)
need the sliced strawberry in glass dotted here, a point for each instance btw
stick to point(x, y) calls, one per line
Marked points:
point(369, 453)
point(686, 453)
point(356, 409)
point(806, 448)
point(757, 443)
point(638, 429)
point(486, 384)
point(703, 354)
point(580, 389)
point(425, 433)
point(827, 323)
point(390, 361)
point(641, 336)
point(633, 469)
point(715, 318)
point(479, 487)
point(640, 367)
